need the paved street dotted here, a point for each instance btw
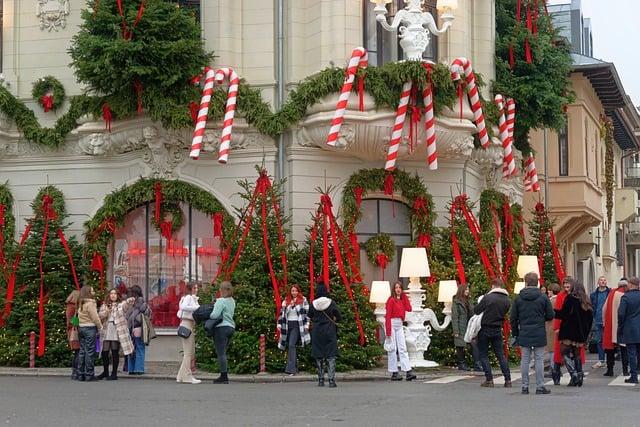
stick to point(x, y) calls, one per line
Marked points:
point(31, 401)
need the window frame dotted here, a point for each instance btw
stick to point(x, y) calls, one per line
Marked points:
point(563, 151)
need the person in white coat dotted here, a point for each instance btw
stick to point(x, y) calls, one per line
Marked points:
point(188, 304)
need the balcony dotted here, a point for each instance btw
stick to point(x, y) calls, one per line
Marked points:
point(632, 177)
point(575, 205)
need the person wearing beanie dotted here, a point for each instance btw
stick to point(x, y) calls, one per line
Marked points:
point(325, 315)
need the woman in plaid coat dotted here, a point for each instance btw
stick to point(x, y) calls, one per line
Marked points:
point(115, 333)
point(293, 325)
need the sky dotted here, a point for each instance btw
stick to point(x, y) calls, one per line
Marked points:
point(616, 36)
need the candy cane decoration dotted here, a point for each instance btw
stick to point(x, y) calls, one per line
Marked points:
point(508, 161)
point(461, 66)
point(359, 59)
point(201, 121)
point(531, 175)
point(430, 127)
point(511, 121)
point(225, 140)
point(396, 133)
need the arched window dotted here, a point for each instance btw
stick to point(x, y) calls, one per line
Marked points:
point(193, 5)
point(383, 216)
point(141, 256)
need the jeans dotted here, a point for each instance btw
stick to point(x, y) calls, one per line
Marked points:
point(135, 360)
point(293, 335)
point(492, 336)
point(538, 354)
point(397, 335)
point(633, 350)
point(221, 337)
point(87, 336)
point(598, 332)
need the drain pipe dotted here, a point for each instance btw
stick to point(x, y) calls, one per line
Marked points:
point(280, 85)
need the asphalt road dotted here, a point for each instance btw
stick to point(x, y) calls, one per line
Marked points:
point(32, 401)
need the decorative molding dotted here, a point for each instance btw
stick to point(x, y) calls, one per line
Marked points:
point(53, 14)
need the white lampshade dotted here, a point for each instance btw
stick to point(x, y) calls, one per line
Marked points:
point(517, 287)
point(414, 263)
point(380, 2)
point(447, 4)
point(446, 290)
point(380, 292)
point(527, 264)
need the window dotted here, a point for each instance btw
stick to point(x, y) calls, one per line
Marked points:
point(383, 216)
point(141, 256)
point(193, 5)
point(384, 46)
point(563, 154)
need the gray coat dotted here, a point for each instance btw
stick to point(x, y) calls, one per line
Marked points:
point(460, 314)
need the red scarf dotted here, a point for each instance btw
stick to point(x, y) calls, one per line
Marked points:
point(607, 337)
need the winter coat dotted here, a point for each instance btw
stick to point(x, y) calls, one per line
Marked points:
point(529, 314)
point(324, 314)
point(88, 314)
point(124, 336)
point(302, 317)
point(396, 308)
point(629, 317)
point(460, 315)
point(495, 306)
point(134, 313)
point(576, 322)
point(610, 317)
point(549, 327)
point(187, 305)
point(598, 299)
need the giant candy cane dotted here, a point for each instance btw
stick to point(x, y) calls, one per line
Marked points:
point(430, 126)
point(229, 112)
point(358, 60)
point(511, 122)
point(505, 139)
point(461, 66)
point(203, 111)
point(396, 133)
point(531, 175)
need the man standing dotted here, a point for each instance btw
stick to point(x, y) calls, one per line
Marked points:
point(629, 326)
point(610, 335)
point(598, 298)
point(494, 306)
point(531, 310)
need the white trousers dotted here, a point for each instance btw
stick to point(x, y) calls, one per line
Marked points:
point(397, 335)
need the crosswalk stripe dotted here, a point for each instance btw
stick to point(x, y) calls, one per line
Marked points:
point(500, 380)
point(619, 382)
point(565, 379)
point(449, 379)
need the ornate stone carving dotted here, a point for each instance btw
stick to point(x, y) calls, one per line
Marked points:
point(490, 162)
point(53, 14)
point(95, 144)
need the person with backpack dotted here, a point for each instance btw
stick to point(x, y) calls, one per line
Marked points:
point(529, 314)
point(188, 304)
point(325, 315)
point(89, 325)
point(293, 325)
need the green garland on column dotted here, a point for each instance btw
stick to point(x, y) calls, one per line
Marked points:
point(606, 134)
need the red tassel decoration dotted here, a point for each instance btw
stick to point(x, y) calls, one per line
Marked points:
point(527, 51)
point(217, 224)
point(388, 190)
point(166, 229)
point(158, 193)
point(107, 115)
point(358, 192)
point(193, 109)
point(512, 58)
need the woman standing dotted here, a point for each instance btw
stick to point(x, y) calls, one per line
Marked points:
point(188, 304)
point(225, 308)
point(324, 335)
point(115, 334)
point(135, 361)
point(72, 330)
point(576, 316)
point(460, 314)
point(293, 325)
point(87, 332)
point(552, 292)
point(397, 306)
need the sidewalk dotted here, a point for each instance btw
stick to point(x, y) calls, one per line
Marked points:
point(168, 371)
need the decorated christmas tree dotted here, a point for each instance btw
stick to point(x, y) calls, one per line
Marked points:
point(540, 228)
point(43, 281)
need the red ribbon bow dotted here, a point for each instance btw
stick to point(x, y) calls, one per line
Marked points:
point(193, 109)
point(166, 229)
point(358, 192)
point(47, 102)
point(217, 224)
point(107, 115)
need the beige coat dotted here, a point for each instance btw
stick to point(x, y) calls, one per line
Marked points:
point(122, 329)
point(88, 314)
point(551, 336)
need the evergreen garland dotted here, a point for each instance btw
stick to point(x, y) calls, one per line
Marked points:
point(46, 85)
point(6, 200)
point(606, 134)
point(380, 244)
point(177, 217)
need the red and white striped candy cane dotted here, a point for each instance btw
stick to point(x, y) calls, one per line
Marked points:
point(203, 111)
point(430, 126)
point(511, 122)
point(461, 66)
point(504, 138)
point(225, 140)
point(531, 175)
point(396, 133)
point(359, 59)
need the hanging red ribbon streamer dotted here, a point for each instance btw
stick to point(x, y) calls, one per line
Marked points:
point(358, 192)
point(11, 283)
point(267, 249)
point(508, 232)
point(527, 51)
point(49, 214)
point(47, 102)
point(3, 261)
point(353, 239)
point(414, 119)
point(381, 260)
point(424, 241)
point(313, 237)
point(137, 85)
point(512, 58)
point(388, 190)
point(166, 229)
point(193, 110)
point(556, 258)
point(108, 225)
point(157, 187)
point(217, 224)
point(126, 33)
point(65, 245)
point(97, 264)
point(107, 115)
point(325, 242)
point(519, 11)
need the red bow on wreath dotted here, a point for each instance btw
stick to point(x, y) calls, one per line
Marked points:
point(47, 102)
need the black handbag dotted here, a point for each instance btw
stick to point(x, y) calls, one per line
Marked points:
point(202, 313)
point(184, 332)
point(210, 325)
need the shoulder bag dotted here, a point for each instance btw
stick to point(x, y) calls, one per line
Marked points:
point(148, 331)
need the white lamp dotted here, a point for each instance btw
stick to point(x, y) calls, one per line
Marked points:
point(527, 264)
point(414, 265)
point(517, 287)
point(380, 293)
point(380, 5)
point(447, 5)
point(446, 290)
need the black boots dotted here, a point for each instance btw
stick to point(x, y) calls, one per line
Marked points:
point(396, 377)
point(332, 371)
point(105, 366)
point(222, 379)
point(571, 368)
point(579, 371)
point(556, 374)
point(410, 376)
point(115, 360)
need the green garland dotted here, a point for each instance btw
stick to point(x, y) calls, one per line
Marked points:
point(606, 134)
point(174, 211)
point(6, 200)
point(380, 244)
point(46, 85)
point(119, 203)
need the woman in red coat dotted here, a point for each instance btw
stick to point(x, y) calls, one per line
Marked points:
point(397, 306)
point(72, 330)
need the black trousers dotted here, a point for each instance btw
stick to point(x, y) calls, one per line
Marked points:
point(611, 358)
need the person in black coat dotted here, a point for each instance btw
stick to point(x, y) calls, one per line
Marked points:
point(529, 314)
point(629, 326)
point(325, 315)
point(577, 316)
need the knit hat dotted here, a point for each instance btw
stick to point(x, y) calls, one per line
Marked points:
point(321, 290)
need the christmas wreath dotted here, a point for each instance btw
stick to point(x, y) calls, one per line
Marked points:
point(48, 92)
point(165, 227)
point(380, 250)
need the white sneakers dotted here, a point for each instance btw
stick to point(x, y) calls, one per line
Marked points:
point(598, 364)
point(192, 381)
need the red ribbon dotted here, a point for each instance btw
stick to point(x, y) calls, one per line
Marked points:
point(414, 119)
point(3, 261)
point(519, 11)
point(512, 58)
point(556, 258)
point(381, 260)
point(107, 115)
point(312, 240)
point(361, 92)
point(158, 202)
point(47, 102)
point(353, 239)
point(137, 85)
point(358, 192)
point(11, 283)
point(457, 257)
point(267, 249)
point(97, 264)
point(527, 51)
point(217, 224)
point(388, 190)
point(166, 229)
point(193, 109)
point(49, 214)
point(65, 245)
point(424, 240)
point(508, 232)
point(108, 225)
point(126, 33)
point(326, 208)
